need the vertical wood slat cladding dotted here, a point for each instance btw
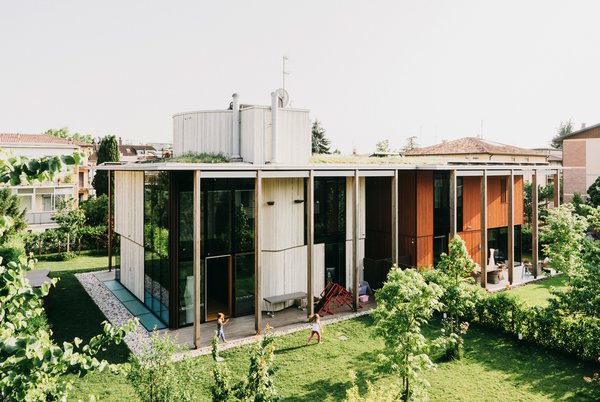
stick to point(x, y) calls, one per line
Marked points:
point(498, 210)
point(284, 213)
point(471, 208)
point(378, 218)
point(518, 200)
point(407, 217)
point(424, 202)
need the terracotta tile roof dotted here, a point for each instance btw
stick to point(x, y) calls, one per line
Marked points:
point(17, 138)
point(131, 150)
point(473, 145)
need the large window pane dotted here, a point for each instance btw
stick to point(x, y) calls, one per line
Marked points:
point(244, 284)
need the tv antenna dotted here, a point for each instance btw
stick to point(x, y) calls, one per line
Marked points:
point(283, 71)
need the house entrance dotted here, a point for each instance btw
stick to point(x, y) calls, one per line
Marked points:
point(218, 286)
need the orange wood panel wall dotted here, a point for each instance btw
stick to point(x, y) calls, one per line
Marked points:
point(519, 200)
point(424, 192)
point(407, 217)
point(471, 203)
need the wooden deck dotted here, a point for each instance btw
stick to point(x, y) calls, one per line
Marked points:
point(287, 320)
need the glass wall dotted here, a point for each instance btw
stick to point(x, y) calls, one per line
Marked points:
point(156, 243)
point(498, 240)
point(441, 214)
point(330, 225)
point(184, 207)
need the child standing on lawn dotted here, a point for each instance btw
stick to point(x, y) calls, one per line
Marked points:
point(220, 323)
point(315, 320)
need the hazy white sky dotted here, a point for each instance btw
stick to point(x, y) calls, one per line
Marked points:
point(368, 70)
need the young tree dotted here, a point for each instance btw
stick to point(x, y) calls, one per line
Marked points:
point(107, 152)
point(10, 210)
point(411, 144)
point(578, 203)
point(594, 193)
point(95, 210)
point(258, 385)
point(70, 218)
point(404, 304)
point(64, 133)
point(566, 127)
point(383, 146)
point(563, 235)
point(453, 275)
point(320, 142)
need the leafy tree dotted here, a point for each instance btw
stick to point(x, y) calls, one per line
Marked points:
point(383, 146)
point(16, 170)
point(258, 385)
point(566, 127)
point(64, 133)
point(453, 275)
point(156, 378)
point(95, 210)
point(411, 144)
point(578, 203)
point(10, 210)
point(563, 235)
point(70, 218)
point(32, 366)
point(404, 304)
point(320, 142)
point(107, 152)
point(594, 193)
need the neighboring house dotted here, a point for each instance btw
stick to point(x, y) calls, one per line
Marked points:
point(129, 152)
point(40, 199)
point(197, 239)
point(581, 151)
point(478, 150)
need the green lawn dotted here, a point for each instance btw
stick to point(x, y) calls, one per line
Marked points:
point(495, 367)
point(538, 293)
point(85, 262)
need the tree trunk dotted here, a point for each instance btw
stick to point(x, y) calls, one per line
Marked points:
point(68, 243)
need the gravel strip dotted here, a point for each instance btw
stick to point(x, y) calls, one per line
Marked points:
point(114, 311)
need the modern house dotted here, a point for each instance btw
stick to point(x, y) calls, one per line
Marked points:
point(197, 239)
point(580, 158)
point(40, 199)
point(479, 150)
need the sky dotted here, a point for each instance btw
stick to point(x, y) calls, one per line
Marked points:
point(368, 70)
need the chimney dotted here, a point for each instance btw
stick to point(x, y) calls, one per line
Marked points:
point(274, 107)
point(235, 130)
point(120, 141)
point(582, 126)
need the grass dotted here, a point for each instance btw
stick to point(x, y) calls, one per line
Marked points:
point(538, 293)
point(495, 367)
point(88, 260)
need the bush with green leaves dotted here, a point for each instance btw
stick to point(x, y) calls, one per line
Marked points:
point(32, 365)
point(70, 218)
point(405, 303)
point(156, 378)
point(563, 234)
point(13, 248)
point(453, 275)
point(95, 210)
point(258, 385)
point(10, 209)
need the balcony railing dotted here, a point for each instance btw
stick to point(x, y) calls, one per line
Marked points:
point(39, 218)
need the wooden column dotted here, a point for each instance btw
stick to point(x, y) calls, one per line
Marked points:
point(511, 226)
point(534, 223)
point(355, 235)
point(453, 195)
point(110, 221)
point(395, 218)
point(310, 241)
point(484, 241)
point(556, 189)
point(258, 204)
point(197, 229)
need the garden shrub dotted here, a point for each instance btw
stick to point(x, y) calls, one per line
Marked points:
point(12, 249)
point(577, 335)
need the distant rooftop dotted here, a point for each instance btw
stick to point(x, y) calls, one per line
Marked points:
point(40, 139)
point(473, 145)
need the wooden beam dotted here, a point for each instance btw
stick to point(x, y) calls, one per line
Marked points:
point(395, 218)
point(484, 241)
point(110, 221)
point(355, 235)
point(511, 226)
point(556, 189)
point(197, 229)
point(534, 223)
point(453, 195)
point(310, 241)
point(258, 204)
